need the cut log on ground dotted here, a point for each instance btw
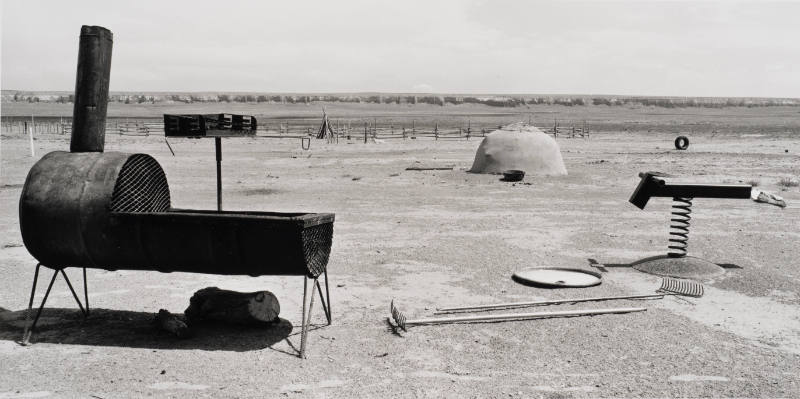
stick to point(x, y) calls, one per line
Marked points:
point(169, 322)
point(234, 307)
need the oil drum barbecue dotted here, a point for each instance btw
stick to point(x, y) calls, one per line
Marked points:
point(107, 210)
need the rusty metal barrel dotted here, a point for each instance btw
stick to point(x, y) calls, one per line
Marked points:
point(91, 89)
point(68, 198)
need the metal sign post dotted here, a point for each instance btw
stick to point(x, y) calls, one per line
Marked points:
point(218, 147)
point(210, 125)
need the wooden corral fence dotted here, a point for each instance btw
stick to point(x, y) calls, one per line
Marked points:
point(21, 127)
point(570, 132)
point(366, 130)
point(65, 127)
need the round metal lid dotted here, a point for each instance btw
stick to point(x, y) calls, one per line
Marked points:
point(557, 277)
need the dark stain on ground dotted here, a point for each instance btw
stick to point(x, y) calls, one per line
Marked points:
point(261, 191)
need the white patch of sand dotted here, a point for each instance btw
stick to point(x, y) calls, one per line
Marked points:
point(332, 383)
point(9, 347)
point(177, 385)
point(548, 388)
point(693, 378)
point(439, 374)
point(759, 319)
point(37, 394)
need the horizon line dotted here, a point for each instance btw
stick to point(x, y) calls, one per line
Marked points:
point(391, 93)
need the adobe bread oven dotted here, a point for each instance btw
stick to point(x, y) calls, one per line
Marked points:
point(107, 210)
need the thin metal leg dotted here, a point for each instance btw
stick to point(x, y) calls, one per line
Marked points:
point(328, 299)
point(86, 291)
point(74, 295)
point(30, 302)
point(322, 297)
point(29, 330)
point(303, 319)
point(308, 320)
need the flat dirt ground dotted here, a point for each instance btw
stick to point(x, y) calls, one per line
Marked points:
point(431, 239)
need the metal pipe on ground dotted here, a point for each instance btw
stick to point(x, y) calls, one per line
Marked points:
point(402, 322)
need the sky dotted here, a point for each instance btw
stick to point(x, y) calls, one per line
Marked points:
point(697, 48)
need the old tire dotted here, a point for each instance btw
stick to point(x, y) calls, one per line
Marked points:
point(681, 143)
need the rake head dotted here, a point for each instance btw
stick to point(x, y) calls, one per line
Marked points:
point(399, 317)
point(675, 286)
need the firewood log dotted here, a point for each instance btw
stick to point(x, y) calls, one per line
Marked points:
point(234, 307)
point(169, 322)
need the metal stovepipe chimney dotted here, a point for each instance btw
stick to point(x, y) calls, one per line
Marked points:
point(91, 90)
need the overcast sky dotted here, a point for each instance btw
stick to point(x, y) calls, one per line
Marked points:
point(454, 46)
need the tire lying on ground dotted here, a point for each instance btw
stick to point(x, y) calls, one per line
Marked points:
point(681, 143)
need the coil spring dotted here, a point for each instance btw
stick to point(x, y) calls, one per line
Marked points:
point(679, 227)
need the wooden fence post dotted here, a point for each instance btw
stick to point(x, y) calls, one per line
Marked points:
point(555, 128)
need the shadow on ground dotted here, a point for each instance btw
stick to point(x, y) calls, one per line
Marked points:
point(602, 266)
point(123, 328)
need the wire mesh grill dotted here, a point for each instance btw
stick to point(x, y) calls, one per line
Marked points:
point(317, 242)
point(141, 186)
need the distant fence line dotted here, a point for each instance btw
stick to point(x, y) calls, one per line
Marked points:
point(342, 129)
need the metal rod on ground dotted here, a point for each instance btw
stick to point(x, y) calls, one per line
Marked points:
point(535, 303)
point(169, 146)
point(218, 149)
point(402, 322)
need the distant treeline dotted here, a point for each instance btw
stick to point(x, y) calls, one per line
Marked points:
point(492, 101)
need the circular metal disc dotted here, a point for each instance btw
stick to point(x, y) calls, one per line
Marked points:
point(558, 277)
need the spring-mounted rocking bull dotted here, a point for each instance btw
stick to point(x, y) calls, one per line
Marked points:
point(652, 184)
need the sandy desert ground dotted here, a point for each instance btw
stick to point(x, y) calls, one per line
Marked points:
point(430, 239)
